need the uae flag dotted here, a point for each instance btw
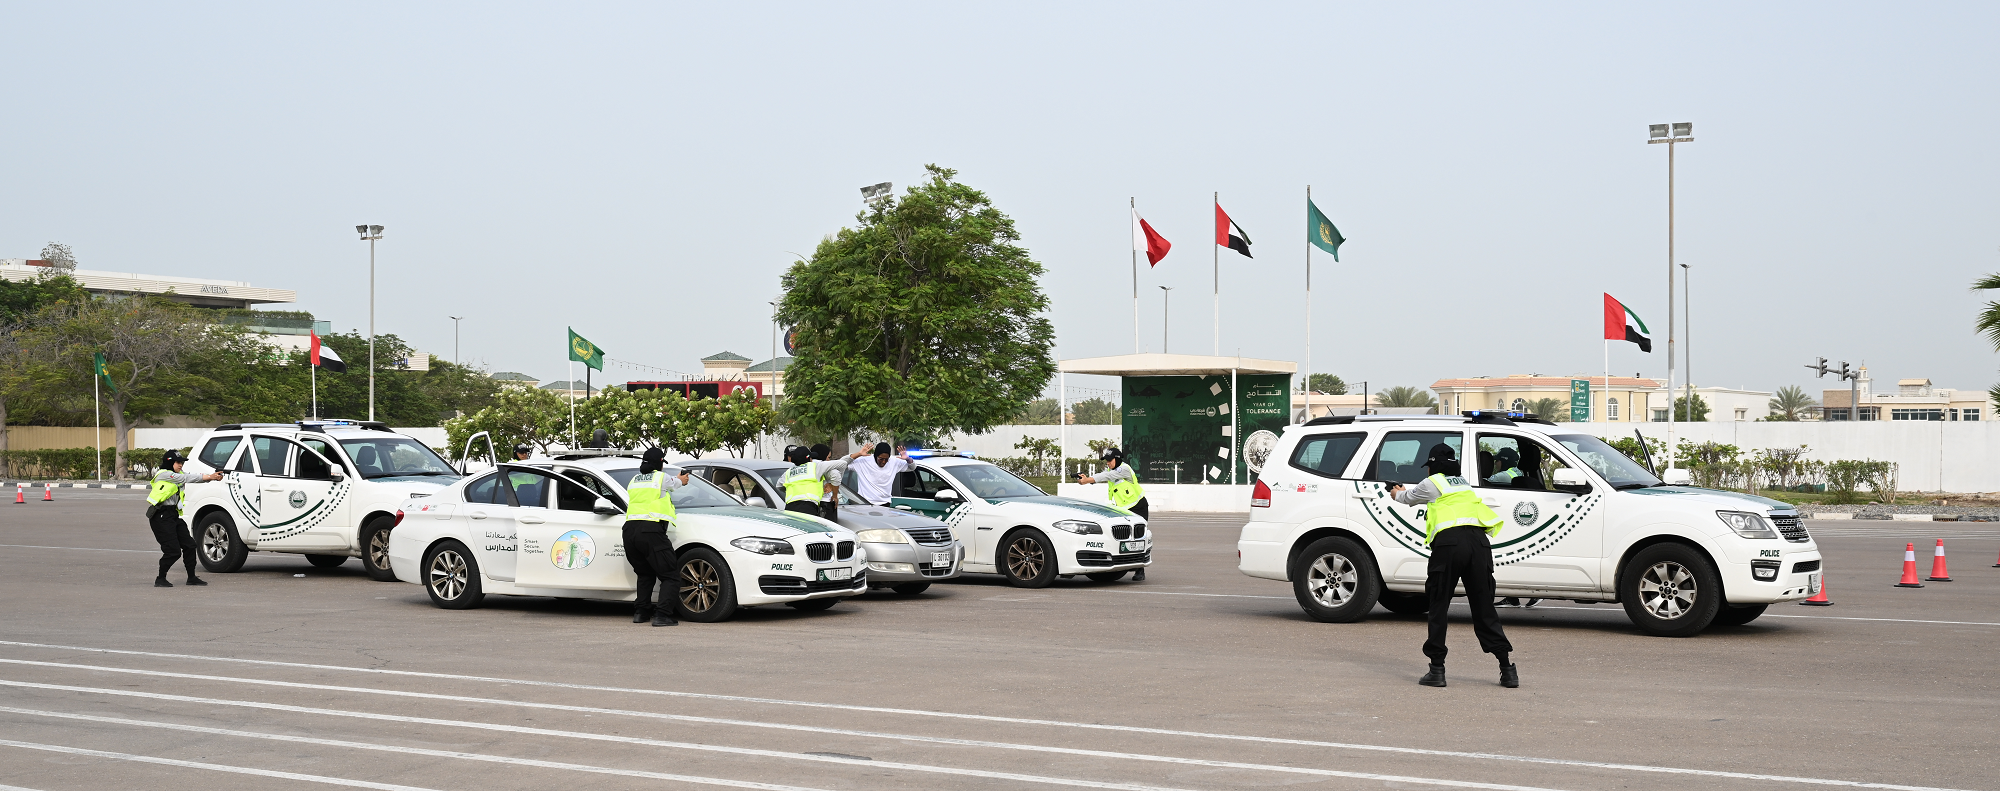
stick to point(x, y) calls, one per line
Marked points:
point(1149, 240)
point(1621, 324)
point(1228, 234)
point(326, 357)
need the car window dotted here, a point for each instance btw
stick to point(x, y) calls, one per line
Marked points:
point(1327, 454)
point(483, 491)
point(571, 496)
point(1401, 457)
point(736, 482)
point(384, 456)
point(596, 485)
point(776, 478)
point(309, 465)
point(246, 461)
point(215, 454)
point(920, 482)
point(270, 454)
point(323, 448)
point(989, 482)
point(1510, 462)
point(1619, 469)
point(531, 488)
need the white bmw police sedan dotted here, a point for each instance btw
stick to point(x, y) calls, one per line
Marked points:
point(554, 528)
point(1018, 531)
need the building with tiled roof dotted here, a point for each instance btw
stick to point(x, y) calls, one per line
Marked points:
point(1631, 398)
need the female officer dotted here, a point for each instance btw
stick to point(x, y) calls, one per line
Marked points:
point(163, 513)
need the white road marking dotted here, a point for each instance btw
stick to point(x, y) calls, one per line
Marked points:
point(1766, 615)
point(498, 759)
point(983, 718)
point(835, 757)
point(242, 770)
point(85, 549)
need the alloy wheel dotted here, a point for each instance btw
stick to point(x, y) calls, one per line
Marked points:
point(378, 549)
point(448, 575)
point(1332, 580)
point(215, 542)
point(701, 585)
point(1025, 558)
point(1667, 590)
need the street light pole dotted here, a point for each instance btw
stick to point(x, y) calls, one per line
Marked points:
point(1670, 134)
point(1687, 318)
point(454, 338)
point(1166, 293)
point(774, 355)
point(371, 234)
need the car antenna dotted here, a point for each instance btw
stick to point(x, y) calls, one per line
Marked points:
point(1645, 450)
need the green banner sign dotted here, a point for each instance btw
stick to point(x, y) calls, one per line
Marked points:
point(1185, 428)
point(1579, 400)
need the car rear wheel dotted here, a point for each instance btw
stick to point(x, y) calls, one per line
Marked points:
point(375, 549)
point(451, 576)
point(1106, 576)
point(221, 550)
point(708, 591)
point(1670, 590)
point(813, 605)
point(326, 561)
point(910, 588)
point(1738, 616)
point(1335, 581)
point(1027, 560)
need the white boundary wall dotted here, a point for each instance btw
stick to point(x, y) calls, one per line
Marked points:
point(999, 443)
point(1160, 497)
point(1936, 455)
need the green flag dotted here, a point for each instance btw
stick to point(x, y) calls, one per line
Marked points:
point(1320, 231)
point(585, 352)
point(97, 360)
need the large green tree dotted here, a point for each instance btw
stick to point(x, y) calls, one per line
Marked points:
point(924, 319)
point(25, 306)
point(147, 344)
point(1329, 384)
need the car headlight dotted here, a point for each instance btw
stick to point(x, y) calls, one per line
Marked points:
point(1747, 525)
point(881, 536)
point(1079, 527)
point(763, 546)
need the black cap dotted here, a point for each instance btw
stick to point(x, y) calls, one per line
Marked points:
point(821, 451)
point(523, 447)
point(654, 455)
point(1112, 453)
point(797, 454)
point(170, 458)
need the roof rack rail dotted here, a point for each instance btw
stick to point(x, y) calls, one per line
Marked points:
point(1499, 418)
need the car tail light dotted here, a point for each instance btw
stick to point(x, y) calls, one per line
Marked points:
point(1260, 497)
point(399, 518)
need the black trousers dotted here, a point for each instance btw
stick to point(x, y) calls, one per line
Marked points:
point(1463, 553)
point(804, 507)
point(176, 541)
point(651, 554)
point(1140, 508)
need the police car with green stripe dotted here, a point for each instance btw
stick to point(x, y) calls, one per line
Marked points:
point(1018, 531)
point(555, 528)
point(1583, 522)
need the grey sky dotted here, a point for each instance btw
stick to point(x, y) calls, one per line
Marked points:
point(640, 171)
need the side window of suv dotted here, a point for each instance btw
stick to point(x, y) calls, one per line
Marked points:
point(1403, 454)
point(270, 454)
point(324, 448)
point(1510, 462)
point(216, 453)
point(1327, 454)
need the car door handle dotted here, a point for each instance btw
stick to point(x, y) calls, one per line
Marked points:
point(1490, 502)
point(274, 488)
point(477, 514)
point(529, 520)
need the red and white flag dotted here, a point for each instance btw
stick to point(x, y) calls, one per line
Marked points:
point(1229, 234)
point(326, 357)
point(1146, 239)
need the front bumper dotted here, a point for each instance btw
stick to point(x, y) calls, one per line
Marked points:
point(1089, 554)
point(775, 579)
point(1794, 580)
point(898, 563)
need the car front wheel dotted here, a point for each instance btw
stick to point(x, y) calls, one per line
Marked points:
point(1738, 616)
point(708, 591)
point(1335, 580)
point(221, 550)
point(375, 549)
point(1027, 560)
point(451, 577)
point(1670, 590)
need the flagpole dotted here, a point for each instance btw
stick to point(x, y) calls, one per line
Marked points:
point(97, 421)
point(313, 374)
point(571, 387)
point(1135, 279)
point(1215, 261)
point(1309, 309)
point(1607, 379)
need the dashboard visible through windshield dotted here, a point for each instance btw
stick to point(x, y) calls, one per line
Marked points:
point(391, 456)
point(989, 482)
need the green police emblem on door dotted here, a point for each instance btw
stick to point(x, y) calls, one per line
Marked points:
point(297, 499)
point(1525, 512)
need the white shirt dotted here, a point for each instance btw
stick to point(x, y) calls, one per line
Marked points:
point(872, 481)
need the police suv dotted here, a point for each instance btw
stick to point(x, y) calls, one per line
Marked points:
point(324, 489)
point(1583, 522)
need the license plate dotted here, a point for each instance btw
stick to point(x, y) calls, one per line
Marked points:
point(835, 574)
point(1812, 584)
point(940, 558)
point(1132, 546)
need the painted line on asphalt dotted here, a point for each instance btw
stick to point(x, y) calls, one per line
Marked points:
point(762, 753)
point(1766, 615)
point(84, 549)
point(994, 718)
point(241, 770)
point(498, 759)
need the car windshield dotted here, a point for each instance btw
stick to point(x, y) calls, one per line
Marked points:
point(988, 482)
point(384, 457)
point(775, 476)
point(1620, 470)
point(696, 493)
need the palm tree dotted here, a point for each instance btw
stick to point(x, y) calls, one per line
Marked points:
point(1551, 409)
point(1989, 321)
point(1405, 397)
point(1791, 403)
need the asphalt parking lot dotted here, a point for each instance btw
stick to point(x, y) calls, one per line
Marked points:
point(284, 676)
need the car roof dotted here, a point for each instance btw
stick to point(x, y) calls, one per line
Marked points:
point(1492, 420)
point(952, 461)
point(744, 464)
point(597, 463)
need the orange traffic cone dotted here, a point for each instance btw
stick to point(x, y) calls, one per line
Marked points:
point(20, 493)
point(1938, 572)
point(1819, 599)
point(48, 493)
point(1909, 568)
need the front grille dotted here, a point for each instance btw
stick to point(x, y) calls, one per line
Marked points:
point(1804, 566)
point(1121, 532)
point(1139, 530)
point(932, 537)
point(1093, 558)
point(778, 585)
point(846, 550)
point(934, 570)
point(1791, 528)
point(819, 552)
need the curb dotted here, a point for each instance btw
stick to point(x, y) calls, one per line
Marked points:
point(1844, 515)
point(41, 485)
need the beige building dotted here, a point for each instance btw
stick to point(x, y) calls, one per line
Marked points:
point(733, 367)
point(1629, 398)
point(1914, 399)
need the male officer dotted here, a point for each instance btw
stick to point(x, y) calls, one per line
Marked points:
point(830, 473)
point(650, 512)
point(1125, 492)
point(805, 483)
point(163, 514)
point(1457, 528)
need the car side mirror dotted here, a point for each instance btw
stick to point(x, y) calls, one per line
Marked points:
point(946, 496)
point(604, 507)
point(1570, 480)
point(1678, 476)
point(756, 501)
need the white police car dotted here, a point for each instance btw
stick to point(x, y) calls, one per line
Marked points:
point(1020, 532)
point(324, 489)
point(1583, 523)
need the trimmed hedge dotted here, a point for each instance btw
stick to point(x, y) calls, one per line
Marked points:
point(74, 463)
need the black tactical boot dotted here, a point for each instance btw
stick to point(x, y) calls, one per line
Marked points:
point(665, 617)
point(161, 582)
point(1509, 677)
point(1140, 575)
point(642, 615)
point(1435, 678)
point(196, 581)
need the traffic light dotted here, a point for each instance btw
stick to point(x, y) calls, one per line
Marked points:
point(1819, 370)
point(1845, 374)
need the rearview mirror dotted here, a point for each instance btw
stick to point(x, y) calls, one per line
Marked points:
point(756, 501)
point(945, 496)
point(339, 474)
point(1677, 476)
point(603, 507)
point(1570, 480)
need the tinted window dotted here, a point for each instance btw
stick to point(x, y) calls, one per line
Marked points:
point(531, 489)
point(1403, 453)
point(216, 453)
point(741, 484)
point(920, 483)
point(1515, 463)
point(596, 485)
point(571, 497)
point(1327, 454)
point(323, 448)
point(383, 456)
point(483, 491)
point(310, 465)
point(246, 462)
point(270, 454)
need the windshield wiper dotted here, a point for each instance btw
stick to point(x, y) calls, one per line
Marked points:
point(1623, 486)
